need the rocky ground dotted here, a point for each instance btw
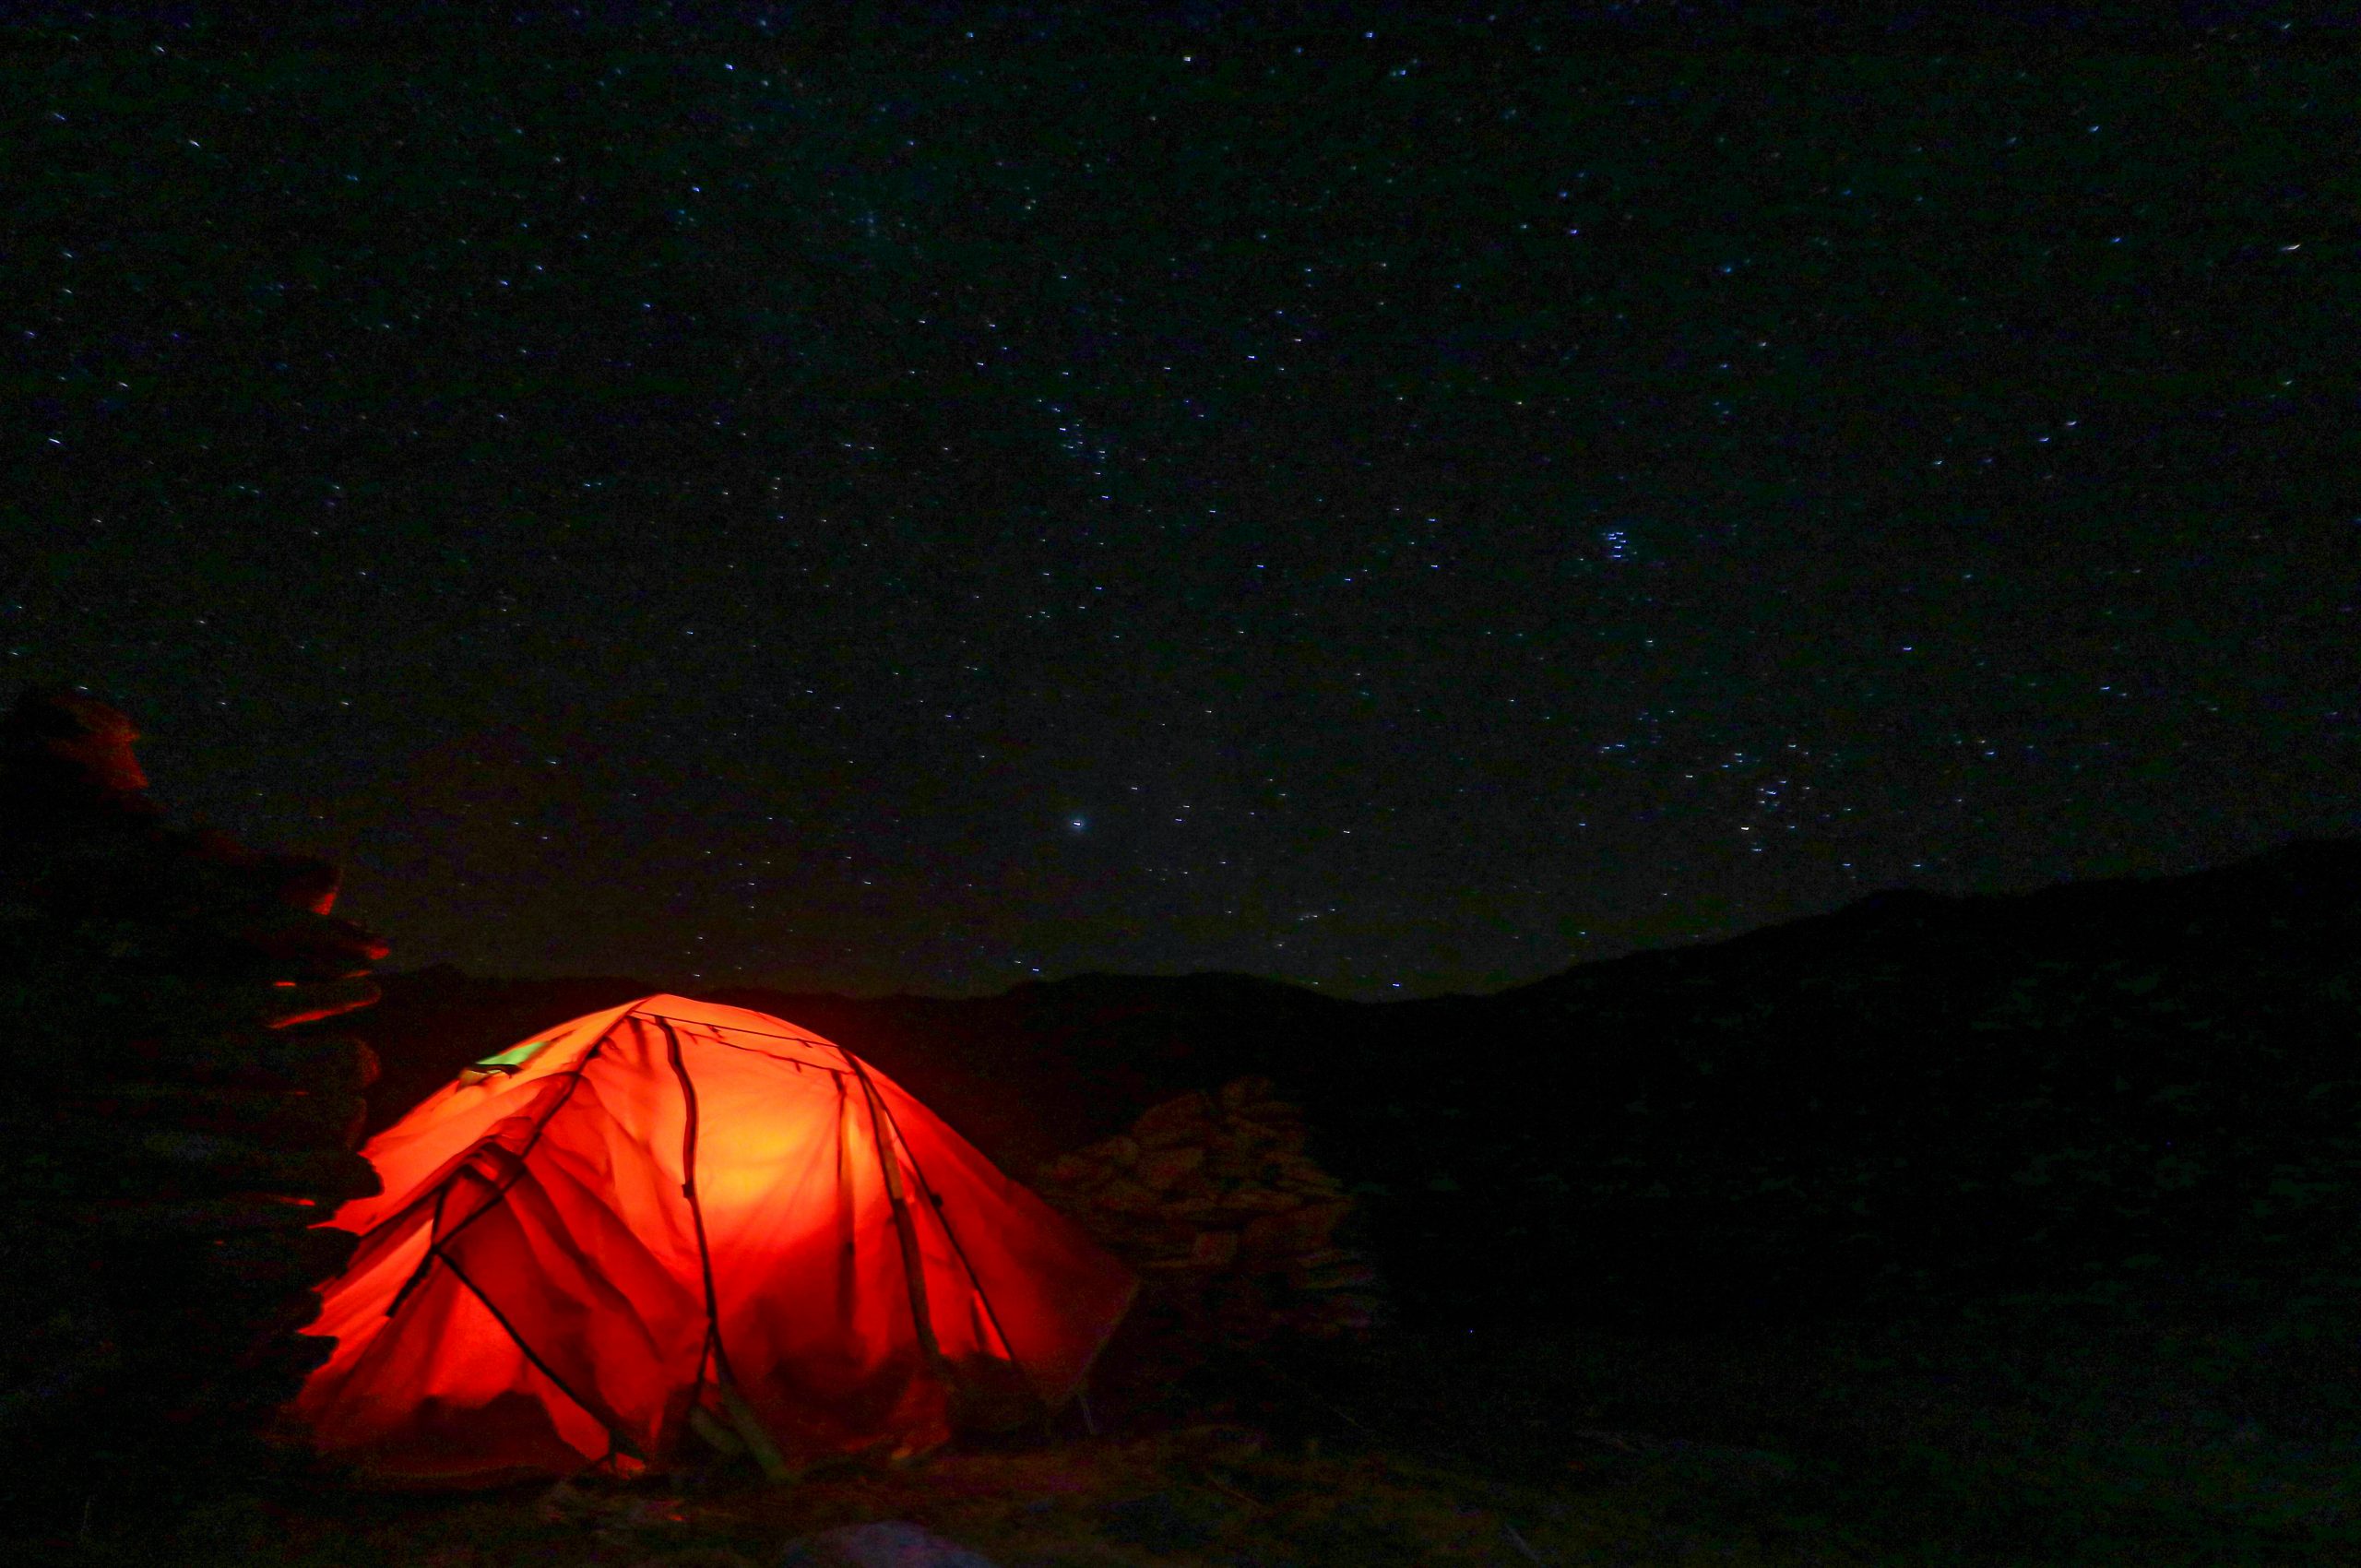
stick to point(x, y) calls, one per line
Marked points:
point(1203, 1495)
point(2020, 1434)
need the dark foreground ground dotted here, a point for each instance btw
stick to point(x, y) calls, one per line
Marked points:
point(2033, 1433)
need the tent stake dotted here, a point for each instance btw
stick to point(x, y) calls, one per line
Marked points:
point(717, 1436)
point(750, 1430)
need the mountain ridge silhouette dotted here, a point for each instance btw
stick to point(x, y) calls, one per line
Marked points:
point(2122, 1085)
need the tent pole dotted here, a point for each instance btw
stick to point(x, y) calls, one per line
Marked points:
point(741, 1420)
point(913, 1267)
point(696, 1211)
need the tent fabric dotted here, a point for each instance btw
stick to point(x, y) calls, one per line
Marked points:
point(570, 1254)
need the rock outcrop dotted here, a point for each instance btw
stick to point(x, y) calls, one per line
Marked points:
point(1231, 1225)
point(171, 1124)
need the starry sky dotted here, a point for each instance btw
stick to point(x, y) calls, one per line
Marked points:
point(1392, 512)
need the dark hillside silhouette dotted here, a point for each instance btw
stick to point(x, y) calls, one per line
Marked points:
point(2129, 1085)
point(2126, 1088)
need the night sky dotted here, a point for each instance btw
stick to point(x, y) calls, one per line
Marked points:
point(1399, 513)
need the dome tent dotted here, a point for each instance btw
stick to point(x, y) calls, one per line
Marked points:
point(673, 1216)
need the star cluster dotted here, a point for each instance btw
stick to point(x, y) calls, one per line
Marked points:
point(1390, 518)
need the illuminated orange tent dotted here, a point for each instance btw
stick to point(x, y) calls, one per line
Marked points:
point(674, 1217)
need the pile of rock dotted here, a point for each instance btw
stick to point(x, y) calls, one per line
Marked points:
point(168, 1134)
point(1232, 1226)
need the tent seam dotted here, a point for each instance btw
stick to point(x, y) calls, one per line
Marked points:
point(913, 1262)
point(614, 1432)
point(499, 1193)
point(934, 1202)
point(758, 1034)
point(696, 1208)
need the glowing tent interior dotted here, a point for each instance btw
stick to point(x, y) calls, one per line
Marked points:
point(674, 1217)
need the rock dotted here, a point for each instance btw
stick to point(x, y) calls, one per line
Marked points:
point(1160, 1168)
point(291, 1002)
point(1230, 1224)
point(1183, 1121)
point(1214, 1249)
point(1126, 1197)
point(1190, 1209)
point(887, 1543)
point(65, 754)
point(1074, 1170)
point(1294, 1232)
point(170, 1131)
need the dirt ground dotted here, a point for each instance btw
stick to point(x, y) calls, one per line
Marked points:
point(1989, 1441)
point(1203, 1495)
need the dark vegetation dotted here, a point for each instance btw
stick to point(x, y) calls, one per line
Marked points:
point(2005, 1229)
